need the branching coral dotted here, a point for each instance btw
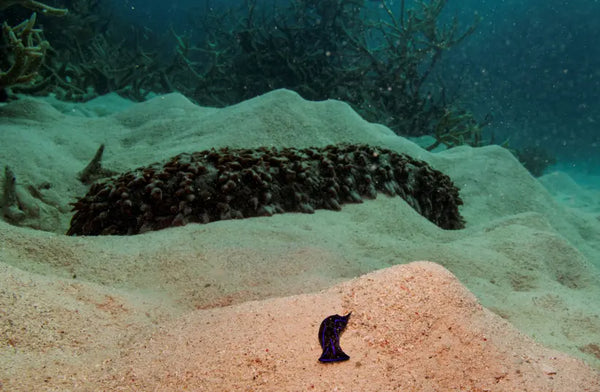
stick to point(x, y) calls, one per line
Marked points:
point(458, 127)
point(34, 5)
point(413, 41)
point(93, 53)
point(25, 43)
point(380, 59)
point(27, 48)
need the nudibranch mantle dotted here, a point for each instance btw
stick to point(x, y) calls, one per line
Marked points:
point(329, 337)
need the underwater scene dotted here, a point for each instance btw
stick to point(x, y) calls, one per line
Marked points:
point(299, 195)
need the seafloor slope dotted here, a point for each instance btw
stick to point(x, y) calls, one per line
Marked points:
point(135, 312)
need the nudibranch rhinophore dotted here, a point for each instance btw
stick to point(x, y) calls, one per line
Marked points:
point(329, 337)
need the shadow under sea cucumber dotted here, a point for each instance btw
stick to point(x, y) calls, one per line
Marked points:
point(212, 185)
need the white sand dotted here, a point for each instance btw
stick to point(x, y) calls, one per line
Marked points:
point(101, 309)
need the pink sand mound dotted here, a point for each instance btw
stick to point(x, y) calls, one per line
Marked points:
point(413, 328)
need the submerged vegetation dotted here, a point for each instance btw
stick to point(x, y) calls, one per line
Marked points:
point(379, 59)
point(379, 56)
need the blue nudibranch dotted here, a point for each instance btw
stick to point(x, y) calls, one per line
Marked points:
point(329, 337)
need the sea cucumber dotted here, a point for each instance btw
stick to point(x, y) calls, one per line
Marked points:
point(227, 183)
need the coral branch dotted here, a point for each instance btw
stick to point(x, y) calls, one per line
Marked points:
point(28, 49)
point(34, 5)
point(11, 210)
point(94, 170)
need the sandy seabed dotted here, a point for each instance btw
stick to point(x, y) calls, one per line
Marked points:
point(510, 303)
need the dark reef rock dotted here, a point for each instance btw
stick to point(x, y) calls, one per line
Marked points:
point(239, 183)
